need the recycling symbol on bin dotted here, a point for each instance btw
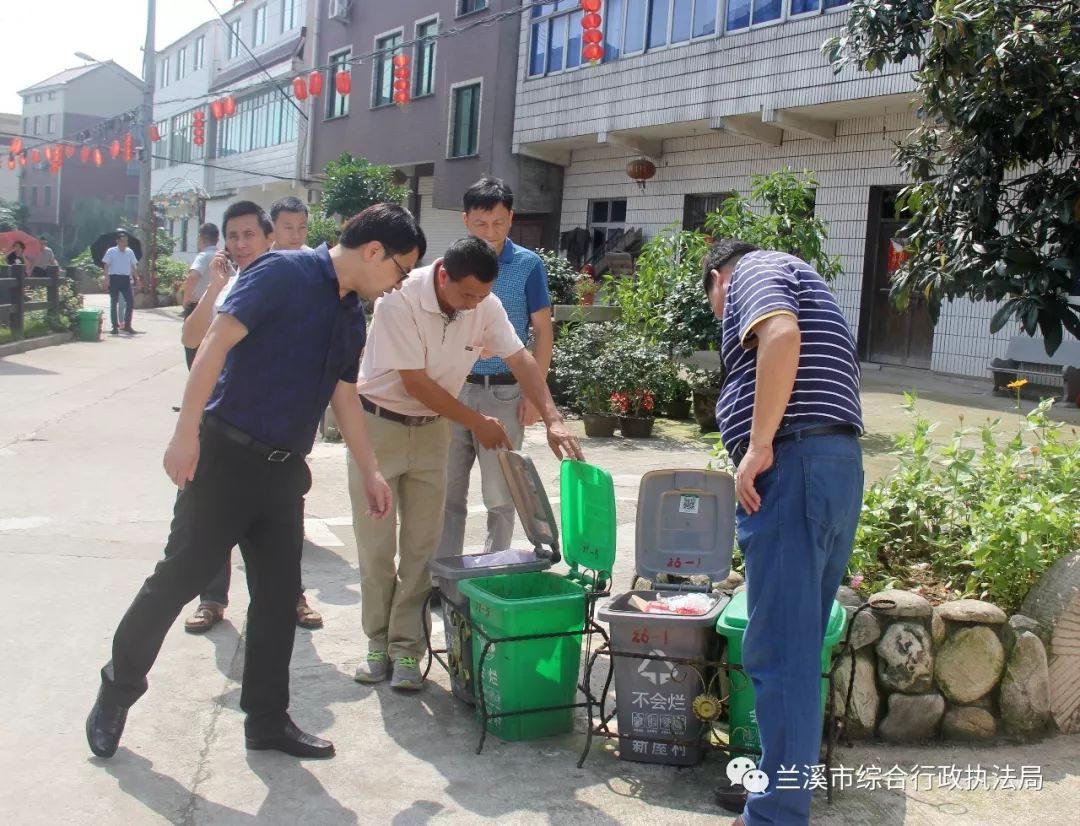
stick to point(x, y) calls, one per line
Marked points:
point(656, 672)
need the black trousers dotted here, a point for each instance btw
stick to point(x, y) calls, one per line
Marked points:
point(120, 284)
point(235, 494)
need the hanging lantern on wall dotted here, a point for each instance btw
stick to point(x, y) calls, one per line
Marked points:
point(114, 149)
point(99, 159)
point(592, 38)
point(199, 115)
point(343, 82)
point(16, 146)
point(217, 109)
point(84, 154)
point(315, 83)
point(129, 147)
point(155, 135)
point(35, 156)
point(641, 170)
point(402, 74)
point(69, 150)
point(230, 106)
point(299, 87)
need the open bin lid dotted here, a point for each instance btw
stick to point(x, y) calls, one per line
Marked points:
point(537, 520)
point(588, 517)
point(685, 524)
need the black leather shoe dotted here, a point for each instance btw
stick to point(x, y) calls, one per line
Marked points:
point(292, 741)
point(105, 725)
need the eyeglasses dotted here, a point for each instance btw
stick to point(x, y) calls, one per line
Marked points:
point(404, 272)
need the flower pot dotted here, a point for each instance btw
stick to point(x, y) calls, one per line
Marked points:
point(633, 427)
point(705, 410)
point(678, 409)
point(600, 424)
point(587, 300)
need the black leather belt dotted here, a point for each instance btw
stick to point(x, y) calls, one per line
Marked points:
point(235, 434)
point(391, 416)
point(739, 451)
point(487, 381)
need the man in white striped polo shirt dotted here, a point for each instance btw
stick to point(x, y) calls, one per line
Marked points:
point(790, 417)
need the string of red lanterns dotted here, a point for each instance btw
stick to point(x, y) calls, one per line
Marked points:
point(592, 37)
point(401, 79)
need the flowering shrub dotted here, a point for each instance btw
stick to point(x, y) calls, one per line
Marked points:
point(636, 402)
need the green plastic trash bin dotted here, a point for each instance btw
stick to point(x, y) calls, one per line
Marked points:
point(521, 675)
point(742, 717)
point(89, 324)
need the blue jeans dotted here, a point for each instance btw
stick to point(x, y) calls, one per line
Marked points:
point(796, 550)
point(120, 284)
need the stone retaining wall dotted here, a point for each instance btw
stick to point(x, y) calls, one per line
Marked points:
point(958, 671)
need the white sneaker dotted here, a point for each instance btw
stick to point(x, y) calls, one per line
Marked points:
point(374, 669)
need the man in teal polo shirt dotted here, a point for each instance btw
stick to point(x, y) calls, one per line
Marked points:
point(491, 388)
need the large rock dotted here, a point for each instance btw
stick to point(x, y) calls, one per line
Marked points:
point(1025, 688)
point(905, 658)
point(861, 720)
point(864, 628)
point(901, 605)
point(1016, 625)
point(937, 629)
point(912, 718)
point(968, 723)
point(968, 665)
point(971, 611)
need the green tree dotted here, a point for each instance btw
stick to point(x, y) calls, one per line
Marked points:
point(995, 203)
point(353, 184)
point(90, 217)
point(321, 228)
point(12, 215)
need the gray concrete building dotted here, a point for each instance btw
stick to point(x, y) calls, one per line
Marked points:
point(459, 122)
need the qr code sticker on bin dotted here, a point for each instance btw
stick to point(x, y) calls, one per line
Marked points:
point(689, 504)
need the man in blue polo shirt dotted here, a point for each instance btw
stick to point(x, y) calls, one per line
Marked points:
point(790, 417)
point(286, 343)
point(491, 388)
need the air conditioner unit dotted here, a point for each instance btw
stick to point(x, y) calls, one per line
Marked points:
point(340, 10)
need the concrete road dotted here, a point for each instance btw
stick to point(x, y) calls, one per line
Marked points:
point(84, 513)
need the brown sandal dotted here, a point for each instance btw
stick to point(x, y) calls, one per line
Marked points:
point(306, 616)
point(206, 616)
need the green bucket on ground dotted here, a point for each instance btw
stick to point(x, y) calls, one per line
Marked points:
point(89, 324)
point(742, 718)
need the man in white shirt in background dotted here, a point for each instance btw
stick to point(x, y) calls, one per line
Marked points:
point(198, 279)
point(46, 258)
point(120, 265)
point(423, 341)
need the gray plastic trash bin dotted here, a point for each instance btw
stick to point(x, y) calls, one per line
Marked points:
point(538, 522)
point(685, 526)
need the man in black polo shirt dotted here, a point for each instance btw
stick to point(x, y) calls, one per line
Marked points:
point(286, 342)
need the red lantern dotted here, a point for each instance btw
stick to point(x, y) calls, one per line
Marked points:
point(401, 85)
point(98, 158)
point(401, 98)
point(114, 149)
point(593, 52)
point(198, 140)
point(641, 170)
point(591, 5)
point(84, 154)
point(343, 82)
point(16, 146)
point(199, 115)
point(230, 106)
point(69, 150)
point(299, 87)
point(315, 82)
point(35, 156)
point(401, 73)
point(401, 60)
point(591, 21)
point(217, 109)
point(155, 135)
point(592, 36)
point(54, 168)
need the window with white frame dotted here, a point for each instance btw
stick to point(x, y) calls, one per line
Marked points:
point(337, 105)
point(258, 35)
point(37, 124)
point(607, 222)
point(26, 126)
point(261, 120)
point(424, 61)
point(742, 14)
point(160, 149)
point(165, 72)
point(200, 53)
point(290, 14)
point(469, 6)
point(50, 125)
point(382, 74)
point(465, 121)
point(234, 39)
point(181, 63)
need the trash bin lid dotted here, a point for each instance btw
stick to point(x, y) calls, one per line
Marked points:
point(685, 524)
point(588, 516)
point(531, 502)
point(735, 617)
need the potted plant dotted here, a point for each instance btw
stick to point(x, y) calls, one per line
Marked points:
point(678, 406)
point(705, 386)
point(582, 363)
point(585, 288)
point(644, 382)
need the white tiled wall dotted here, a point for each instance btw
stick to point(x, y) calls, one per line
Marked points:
point(861, 157)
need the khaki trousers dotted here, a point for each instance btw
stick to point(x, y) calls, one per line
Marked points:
point(394, 552)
